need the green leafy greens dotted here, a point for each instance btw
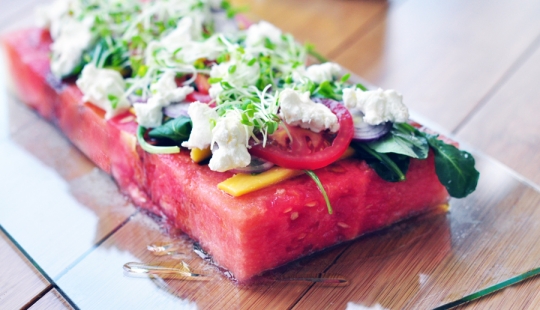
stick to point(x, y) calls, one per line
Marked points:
point(390, 158)
point(403, 139)
point(455, 168)
point(154, 149)
point(176, 129)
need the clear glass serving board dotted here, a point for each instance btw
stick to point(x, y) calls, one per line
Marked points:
point(70, 219)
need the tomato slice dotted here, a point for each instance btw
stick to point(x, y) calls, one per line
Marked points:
point(202, 84)
point(197, 96)
point(307, 149)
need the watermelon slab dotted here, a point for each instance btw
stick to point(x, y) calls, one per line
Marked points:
point(245, 235)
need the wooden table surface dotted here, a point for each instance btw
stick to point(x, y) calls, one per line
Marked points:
point(468, 68)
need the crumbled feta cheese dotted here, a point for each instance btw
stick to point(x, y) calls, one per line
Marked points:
point(166, 87)
point(45, 15)
point(232, 138)
point(378, 106)
point(299, 110)
point(149, 114)
point(67, 49)
point(323, 72)
point(165, 92)
point(104, 88)
point(185, 32)
point(215, 90)
point(257, 34)
point(244, 75)
point(184, 44)
point(209, 49)
point(202, 117)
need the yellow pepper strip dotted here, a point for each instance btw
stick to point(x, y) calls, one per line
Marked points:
point(243, 183)
point(198, 155)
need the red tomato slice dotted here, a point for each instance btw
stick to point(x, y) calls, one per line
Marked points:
point(307, 149)
point(201, 81)
point(197, 96)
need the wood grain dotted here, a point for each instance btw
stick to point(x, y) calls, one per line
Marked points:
point(20, 282)
point(515, 297)
point(444, 56)
point(51, 301)
point(327, 24)
point(507, 126)
point(484, 240)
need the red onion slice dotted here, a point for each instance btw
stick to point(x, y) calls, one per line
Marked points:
point(365, 132)
point(176, 110)
point(257, 165)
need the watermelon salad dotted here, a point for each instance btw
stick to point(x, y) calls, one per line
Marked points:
point(226, 130)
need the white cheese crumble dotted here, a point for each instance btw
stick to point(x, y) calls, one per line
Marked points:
point(323, 72)
point(46, 15)
point(165, 92)
point(100, 86)
point(73, 38)
point(299, 110)
point(378, 106)
point(202, 117)
point(149, 114)
point(183, 44)
point(232, 138)
point(186, 31)
point(257, 34)
point(166, 88)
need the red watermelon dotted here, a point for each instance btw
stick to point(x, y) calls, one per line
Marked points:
point(246, 235)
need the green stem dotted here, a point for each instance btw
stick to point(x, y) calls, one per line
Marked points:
point(491, 289)
point(154, 149)
point(390, 164)
point(321, 188)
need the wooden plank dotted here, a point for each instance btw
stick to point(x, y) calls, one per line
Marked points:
point(72, 206)
point(326, 24)
point(484, 240)
point(444, 56)
point(51, 301)
point(20, 281)
point(97, 280)
point(507, 127)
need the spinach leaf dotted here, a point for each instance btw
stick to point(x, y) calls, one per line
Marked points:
point(390, 167)
point(176, 129)
point(455, 168)
point(403, 139)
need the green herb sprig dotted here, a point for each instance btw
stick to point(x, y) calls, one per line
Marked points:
point(321, 188)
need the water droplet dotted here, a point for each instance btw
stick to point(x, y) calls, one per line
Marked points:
point(163, 248)
point(179, 272)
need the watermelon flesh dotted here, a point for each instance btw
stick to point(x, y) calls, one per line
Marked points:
point(245, 235)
